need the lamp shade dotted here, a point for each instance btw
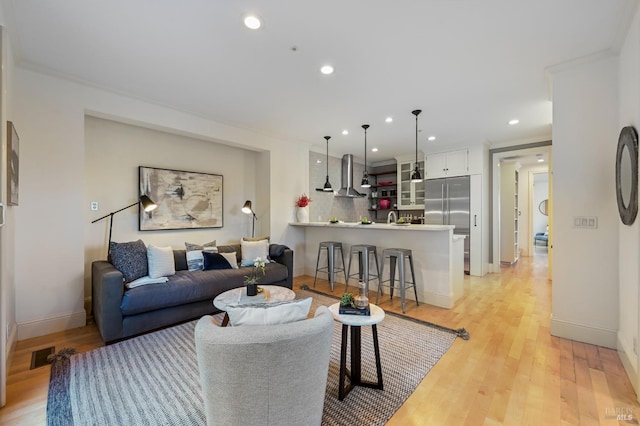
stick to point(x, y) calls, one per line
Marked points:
point(365, 175)
point(327, 185)
point(147, 204)
point(416, 176)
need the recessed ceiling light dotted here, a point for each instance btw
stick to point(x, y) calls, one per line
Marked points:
point(374, 149)
point(252, 22)
point(388, 120)
point(514, 121)
point(326, 69)
point(318, 161)
point(431, 138)
point(540, 160)
point(345, 132)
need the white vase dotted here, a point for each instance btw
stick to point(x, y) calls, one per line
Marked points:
point(302, 214)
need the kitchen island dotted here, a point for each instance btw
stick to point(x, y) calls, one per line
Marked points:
point(438, 255)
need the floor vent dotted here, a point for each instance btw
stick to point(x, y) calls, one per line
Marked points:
point(39, 357)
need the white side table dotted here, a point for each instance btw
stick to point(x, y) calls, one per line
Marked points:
point(356, 322)
point(238, 296)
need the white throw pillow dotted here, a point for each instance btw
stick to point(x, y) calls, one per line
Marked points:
point(269, 313)
point(161, 261)
point(146, 280)
point(231, 258)
point(251, 250)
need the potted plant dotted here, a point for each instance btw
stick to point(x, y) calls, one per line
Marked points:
point(251, 280)
point(302, 211)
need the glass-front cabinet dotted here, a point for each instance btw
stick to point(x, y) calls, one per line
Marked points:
point(411, 193)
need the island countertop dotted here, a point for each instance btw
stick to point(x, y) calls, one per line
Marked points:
point(438, 254)
point(392, 226)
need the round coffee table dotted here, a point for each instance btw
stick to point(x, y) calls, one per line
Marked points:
point(238, 296)
point(356, 322)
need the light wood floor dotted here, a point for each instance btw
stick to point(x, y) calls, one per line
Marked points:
point(511, 371)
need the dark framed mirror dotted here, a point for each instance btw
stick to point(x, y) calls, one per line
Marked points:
point(627, 175)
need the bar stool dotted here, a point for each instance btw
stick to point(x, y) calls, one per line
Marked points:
point(364, 251)
point(331, 247)
point(398, 255)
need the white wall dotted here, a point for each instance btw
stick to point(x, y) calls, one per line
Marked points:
point(629, 236)
point(585, 272)
point(113, 152)
point(8, 329)
point(540, 193)
point(50, 226)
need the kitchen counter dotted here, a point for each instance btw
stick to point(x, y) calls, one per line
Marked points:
point(438, 255)
point(374, 225)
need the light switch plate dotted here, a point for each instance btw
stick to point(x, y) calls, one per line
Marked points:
point(585, 222)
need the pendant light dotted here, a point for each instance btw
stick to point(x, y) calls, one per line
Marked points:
point(327, 184)
point(365, 175)
point(416, 176)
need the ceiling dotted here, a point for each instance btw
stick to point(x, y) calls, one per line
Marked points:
point(470, 65)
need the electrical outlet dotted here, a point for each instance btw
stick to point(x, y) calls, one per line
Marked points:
point(94, 206)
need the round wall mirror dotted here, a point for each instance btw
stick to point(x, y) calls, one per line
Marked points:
point(543, 206)
point(627, 175)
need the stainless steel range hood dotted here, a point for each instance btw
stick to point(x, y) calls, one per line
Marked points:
point(346, 183)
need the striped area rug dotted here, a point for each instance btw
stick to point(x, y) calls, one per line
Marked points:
point(153, 379)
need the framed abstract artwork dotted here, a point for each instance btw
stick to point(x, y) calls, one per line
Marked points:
point(186, 200)
point(13, 163)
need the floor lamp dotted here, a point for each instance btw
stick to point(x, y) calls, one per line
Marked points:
point(246, 209)
point(147, 205)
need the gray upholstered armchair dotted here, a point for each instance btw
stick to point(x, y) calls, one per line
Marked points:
point(265, 375)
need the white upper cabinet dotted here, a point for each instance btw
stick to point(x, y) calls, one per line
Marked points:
point(452, 163)
point(410, 194)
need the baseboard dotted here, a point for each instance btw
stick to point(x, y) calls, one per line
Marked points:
point(628, 364)
point(41, 327)
point(584, 333)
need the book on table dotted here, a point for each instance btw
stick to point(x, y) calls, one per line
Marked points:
point(350, 310)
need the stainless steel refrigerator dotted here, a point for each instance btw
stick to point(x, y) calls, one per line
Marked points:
point(447, 202)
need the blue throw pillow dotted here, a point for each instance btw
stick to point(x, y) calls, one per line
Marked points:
point(215, 261)
point(130, 259)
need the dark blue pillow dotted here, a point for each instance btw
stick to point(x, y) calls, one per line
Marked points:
point(214, 261)
point(130, 259)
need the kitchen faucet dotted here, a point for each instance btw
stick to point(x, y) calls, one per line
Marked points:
point(392, 213)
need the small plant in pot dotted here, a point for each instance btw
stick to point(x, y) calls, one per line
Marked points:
point(251, 280)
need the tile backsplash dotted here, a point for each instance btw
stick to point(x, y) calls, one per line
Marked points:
point(325, 205)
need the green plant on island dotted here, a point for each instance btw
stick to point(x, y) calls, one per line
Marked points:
point(365, 219)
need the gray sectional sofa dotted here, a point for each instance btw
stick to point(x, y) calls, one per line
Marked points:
point(120, 312)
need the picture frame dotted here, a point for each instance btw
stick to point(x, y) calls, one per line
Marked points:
point(13, 164)
point(186, 200)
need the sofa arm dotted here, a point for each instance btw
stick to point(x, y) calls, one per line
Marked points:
point(286, 259)
point(107, 286)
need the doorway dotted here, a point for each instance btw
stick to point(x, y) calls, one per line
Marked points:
point(527, 157)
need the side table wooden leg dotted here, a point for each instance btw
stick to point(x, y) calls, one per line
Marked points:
point(342, 392)
point(225, 320)
point(376, 348)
